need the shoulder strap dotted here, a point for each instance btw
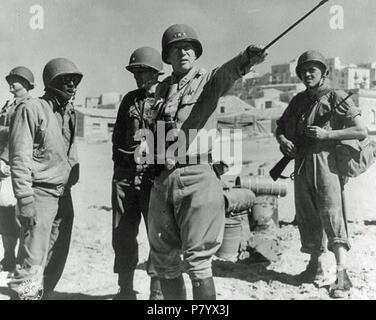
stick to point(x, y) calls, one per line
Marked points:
point(334, 106)
point(72, 126)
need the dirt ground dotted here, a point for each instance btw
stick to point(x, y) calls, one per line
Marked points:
point(88, 273)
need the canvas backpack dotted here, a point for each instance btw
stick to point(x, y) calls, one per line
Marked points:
point(354, 157)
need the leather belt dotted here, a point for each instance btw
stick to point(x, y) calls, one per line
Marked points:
point(60, 188)
point(195, 160)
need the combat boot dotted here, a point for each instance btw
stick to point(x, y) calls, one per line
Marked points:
point(155, 289)
point(125, 294)
point(314, 272)
point(8, 264)
point(173, 289)
point(340, 289)
point(203, 289)
point(126, 291)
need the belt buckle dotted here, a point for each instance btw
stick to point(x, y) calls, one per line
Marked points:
point(60, 189)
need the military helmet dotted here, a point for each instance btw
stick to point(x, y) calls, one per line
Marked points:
point(311, 56)
point(176, 33)
point(145, 57)
point(59, 67)
point(23, 73)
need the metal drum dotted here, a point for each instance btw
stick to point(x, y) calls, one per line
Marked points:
point(262, 185)
point(264, 213)
point(238, 200)
point(229, 249)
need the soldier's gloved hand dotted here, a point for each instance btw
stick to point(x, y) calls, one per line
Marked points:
point(4, 169)
point(255, 54)
point(27, 215)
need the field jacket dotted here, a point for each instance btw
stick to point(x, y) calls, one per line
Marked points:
point(39, 155)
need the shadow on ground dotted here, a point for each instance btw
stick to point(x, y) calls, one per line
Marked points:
point(248, 270)
point(79, 296)
point(62, 295)
point(6, 292)
point(253, 272)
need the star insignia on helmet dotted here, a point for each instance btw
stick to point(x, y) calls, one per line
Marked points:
point(179, 34)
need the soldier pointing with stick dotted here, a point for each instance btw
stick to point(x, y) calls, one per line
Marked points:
point(186, 211)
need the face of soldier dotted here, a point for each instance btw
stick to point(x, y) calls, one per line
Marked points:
point(311, 74)
point(67, 84)
point(145, 77)
point(181, 56)
point(17, 87)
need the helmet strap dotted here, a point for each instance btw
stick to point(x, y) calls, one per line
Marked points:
point(323, 77)
point(62, 98)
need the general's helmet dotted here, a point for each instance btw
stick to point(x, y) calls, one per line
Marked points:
point(59, 67)
point(311, 56)
point(145, 57)
point(23, 73)
point(176, 33)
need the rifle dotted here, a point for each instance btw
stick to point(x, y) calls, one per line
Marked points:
point(277, 170)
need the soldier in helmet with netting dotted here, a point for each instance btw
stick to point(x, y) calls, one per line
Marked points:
point(308, 131)
point(132, 181)
point(21, 81)
point(186, 211)
point(44, 167)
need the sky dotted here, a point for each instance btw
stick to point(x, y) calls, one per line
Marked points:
point(100, 35)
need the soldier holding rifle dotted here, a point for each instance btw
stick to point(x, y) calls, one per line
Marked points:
point(304, 136)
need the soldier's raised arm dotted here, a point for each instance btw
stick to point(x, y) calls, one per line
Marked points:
point(224, 77)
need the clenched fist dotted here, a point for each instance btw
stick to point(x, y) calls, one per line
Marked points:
point(256, 54)
point(287, 147)
point(317, 133)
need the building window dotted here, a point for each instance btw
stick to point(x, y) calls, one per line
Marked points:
point(268, 104)
point(96, 126)
point(222, 110)
point(373, 116)
point(110, 126)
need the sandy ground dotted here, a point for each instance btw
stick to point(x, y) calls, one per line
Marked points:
point(88, 273)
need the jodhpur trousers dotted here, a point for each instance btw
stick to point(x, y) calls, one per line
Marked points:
point(186, 217)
